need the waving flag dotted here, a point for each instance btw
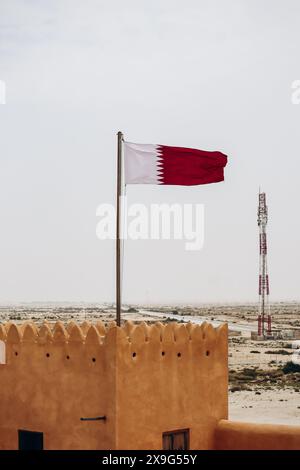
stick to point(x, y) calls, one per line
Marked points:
point(161, 164)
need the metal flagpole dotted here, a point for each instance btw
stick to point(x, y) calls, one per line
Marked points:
point(118, 230)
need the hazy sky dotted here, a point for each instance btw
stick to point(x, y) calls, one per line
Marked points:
point(209, 74)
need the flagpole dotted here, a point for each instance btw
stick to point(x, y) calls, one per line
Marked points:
point(118, 229)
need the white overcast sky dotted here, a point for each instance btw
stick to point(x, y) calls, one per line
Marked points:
point(210, 74)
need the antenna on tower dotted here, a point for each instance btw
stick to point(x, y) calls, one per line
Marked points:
point(263, 290)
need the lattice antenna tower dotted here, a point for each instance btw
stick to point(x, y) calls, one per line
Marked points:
point(263, 290)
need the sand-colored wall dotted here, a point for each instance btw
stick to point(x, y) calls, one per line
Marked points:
point(51, 393)
point(170, 377)
point(142, 391)
point(145, 379)
point(232, 435)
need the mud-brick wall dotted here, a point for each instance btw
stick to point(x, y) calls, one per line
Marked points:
point(146, 380)
point(170, 377)
point(234, 435)
point(52, 378)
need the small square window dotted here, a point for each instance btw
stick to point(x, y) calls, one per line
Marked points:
point(176, 440)
point(30, 440)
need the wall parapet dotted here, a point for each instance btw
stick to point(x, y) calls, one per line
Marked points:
point(86, 332)
point(138, 341)
point(235, 435)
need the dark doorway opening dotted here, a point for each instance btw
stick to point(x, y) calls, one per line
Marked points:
point(176, 440)
point(30, 440)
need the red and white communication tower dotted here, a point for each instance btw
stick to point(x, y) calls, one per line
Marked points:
point(264, 307)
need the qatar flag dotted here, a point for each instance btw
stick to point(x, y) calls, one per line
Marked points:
point(161, 164)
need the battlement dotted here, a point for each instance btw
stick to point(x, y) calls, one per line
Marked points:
point(130, 334)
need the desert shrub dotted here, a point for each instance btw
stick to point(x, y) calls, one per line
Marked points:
point(132, 310)
point(245, 378)
point(279, 351)
point(252, 373)
point(290, 368)
point(254, 352)
point(240, 388)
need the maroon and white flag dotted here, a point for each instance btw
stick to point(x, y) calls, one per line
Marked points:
point(161, 164)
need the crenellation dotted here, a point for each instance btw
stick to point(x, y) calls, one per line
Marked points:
point(168, 333)
point(197, 334)
point(92, 335)
point(101, 328)
point(70, 326)
point(60, 334)
point(7, 325)
point(14, 334)
point(136, 339)
point(128, 326)
point(190, 326)
point(210, 332)
point(75, 334)
point(160, 328)
point(45, 334)
point(85, 326)
point(3, 333)
point(137, 335)
point(145, 327)
point(181, 334)
point(30, 333)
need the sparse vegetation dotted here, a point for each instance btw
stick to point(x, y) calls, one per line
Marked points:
point(279, 351)
point(284, 376)
point(291, 368)
point(132, 310)
point(239, 388)
point(280, 378)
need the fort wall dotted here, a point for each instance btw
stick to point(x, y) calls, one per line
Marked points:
point(52, 378)
point(171, 377)
point(234, 435)
point(144, 379)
